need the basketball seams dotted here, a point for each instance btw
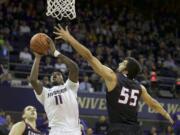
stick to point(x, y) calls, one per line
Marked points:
point(39, 43)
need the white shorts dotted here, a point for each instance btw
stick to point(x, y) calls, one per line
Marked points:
point(60, 132)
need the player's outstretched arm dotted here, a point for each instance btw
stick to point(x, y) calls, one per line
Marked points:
point(17, 129)
point(106, 73)
point(154, 104)
point(36, 84)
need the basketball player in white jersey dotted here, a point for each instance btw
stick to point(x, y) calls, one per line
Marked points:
point(59, 101)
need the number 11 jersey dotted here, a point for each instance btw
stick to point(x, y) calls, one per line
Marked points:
point(61, 107)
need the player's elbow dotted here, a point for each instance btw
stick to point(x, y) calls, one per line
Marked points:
point(88, 56)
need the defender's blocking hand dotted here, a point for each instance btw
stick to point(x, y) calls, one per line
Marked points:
point(62, 33)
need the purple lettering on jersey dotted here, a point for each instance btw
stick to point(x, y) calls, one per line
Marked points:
point(58, 99)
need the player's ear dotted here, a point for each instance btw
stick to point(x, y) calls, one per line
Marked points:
point(23, 116)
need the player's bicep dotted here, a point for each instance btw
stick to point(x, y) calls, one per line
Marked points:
point(37, 86)
point(100, 69)
point(147, 98)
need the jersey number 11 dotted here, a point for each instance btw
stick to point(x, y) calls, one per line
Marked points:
point(58, 99)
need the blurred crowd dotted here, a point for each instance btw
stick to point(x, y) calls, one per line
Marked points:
point(110, 33)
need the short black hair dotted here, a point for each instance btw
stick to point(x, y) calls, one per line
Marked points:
point(133, 67)
point(58, 70)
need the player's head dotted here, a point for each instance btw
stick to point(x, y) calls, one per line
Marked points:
point(130, 67)
point(57, 77)
point(29, 113)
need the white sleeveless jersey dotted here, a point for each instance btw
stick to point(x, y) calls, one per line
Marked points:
point(61, 107)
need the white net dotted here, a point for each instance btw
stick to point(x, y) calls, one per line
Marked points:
point(61, 8)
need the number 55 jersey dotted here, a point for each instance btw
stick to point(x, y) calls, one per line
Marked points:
point(122, 101)
point(61, 107)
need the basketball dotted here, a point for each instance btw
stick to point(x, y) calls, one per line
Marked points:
point(39, 43)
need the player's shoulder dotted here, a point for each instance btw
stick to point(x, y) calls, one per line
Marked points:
point(70, 82)
point(20, 124)
point(137, 82)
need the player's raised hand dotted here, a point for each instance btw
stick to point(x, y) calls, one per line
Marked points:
point(62, 33)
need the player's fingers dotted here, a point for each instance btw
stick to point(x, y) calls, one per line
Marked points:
point(59, 25)
point(57, 33)
point(59, 37)
point(56, 28)
point(67, 29)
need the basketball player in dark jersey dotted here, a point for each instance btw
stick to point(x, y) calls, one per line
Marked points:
point(28, 125)
point(123, 92)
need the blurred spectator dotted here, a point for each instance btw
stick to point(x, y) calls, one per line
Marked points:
point(84, 126)
point(101, 126)
point(176, 88)
point(85, 85)
point(3, 130)
point(2, 118)
point(24, 28)
point(6, 80)
point(5, 47)
point(153, 131)
point(46, 82)
point(61, 66)
point(176, 125)
point(25, 57)
point(153, 80)
point(42, 124)
point(95, 81)
point(169, 63)
point(48, 67)
point(66, 48)
point(3, 73)
point(9, 122)
point(169, 131)
point(89, 131)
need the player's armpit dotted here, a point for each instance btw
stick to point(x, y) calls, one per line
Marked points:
point(17, 129)
point(105, 72)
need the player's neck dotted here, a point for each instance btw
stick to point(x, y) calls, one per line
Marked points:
point(124, 73)
point(31, 122)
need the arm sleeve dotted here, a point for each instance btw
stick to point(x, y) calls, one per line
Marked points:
point(72, 85)
point(41, 97)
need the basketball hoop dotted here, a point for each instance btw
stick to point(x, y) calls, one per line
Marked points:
point(61, 8)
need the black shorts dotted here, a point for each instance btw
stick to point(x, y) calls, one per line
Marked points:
point(124, 129)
